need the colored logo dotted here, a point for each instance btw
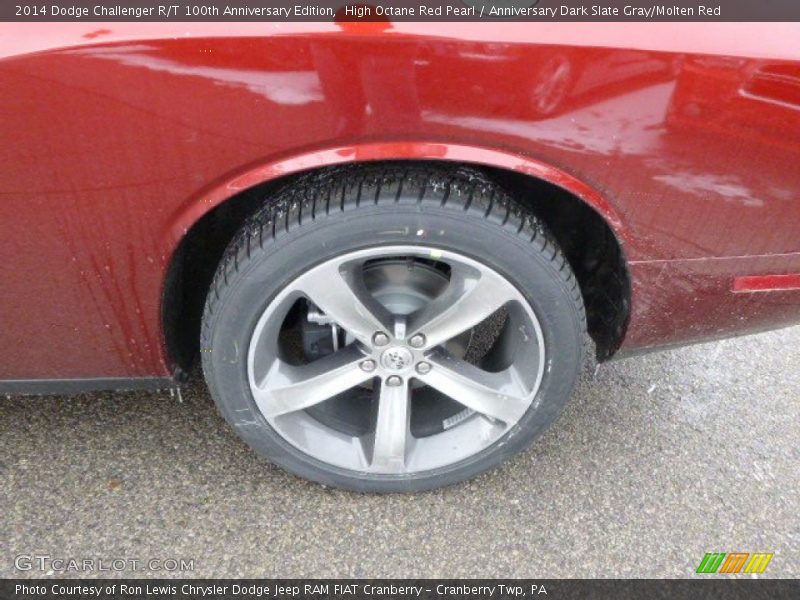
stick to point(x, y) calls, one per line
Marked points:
point(734, 562)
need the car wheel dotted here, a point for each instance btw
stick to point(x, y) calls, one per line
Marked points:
point(392, 329)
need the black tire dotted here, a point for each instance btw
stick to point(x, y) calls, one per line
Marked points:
point(328, 213)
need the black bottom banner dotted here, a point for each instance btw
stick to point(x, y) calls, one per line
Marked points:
point(400, 589)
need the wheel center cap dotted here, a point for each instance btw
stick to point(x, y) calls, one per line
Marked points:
point(397, 358)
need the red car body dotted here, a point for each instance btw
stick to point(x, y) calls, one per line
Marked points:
point(118, 138)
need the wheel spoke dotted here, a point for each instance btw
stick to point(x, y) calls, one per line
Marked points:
point(287, 388)
point(341, 294)
point(497, 395)
point(469, 299)
point(392, 430)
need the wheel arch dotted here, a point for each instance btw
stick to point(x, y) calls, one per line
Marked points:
point(264, 172)
point(202, 227)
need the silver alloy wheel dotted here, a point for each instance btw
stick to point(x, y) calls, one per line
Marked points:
point(415, 355)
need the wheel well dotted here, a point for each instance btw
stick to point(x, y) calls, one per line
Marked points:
point(592, 249)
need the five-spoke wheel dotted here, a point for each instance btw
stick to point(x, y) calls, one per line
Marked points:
point(392, 312)
point(392, 328)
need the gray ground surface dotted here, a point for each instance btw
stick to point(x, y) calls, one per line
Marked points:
point(656, 461)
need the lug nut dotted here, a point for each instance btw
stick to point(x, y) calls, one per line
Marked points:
point(417, 340)
point(368, 365)
point(380, 339)
point(423, 368)
point(393, 380)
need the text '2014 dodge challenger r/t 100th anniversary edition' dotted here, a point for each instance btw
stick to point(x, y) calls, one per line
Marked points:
point(389, 245)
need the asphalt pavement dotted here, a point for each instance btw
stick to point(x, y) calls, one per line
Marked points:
point(656, 461)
